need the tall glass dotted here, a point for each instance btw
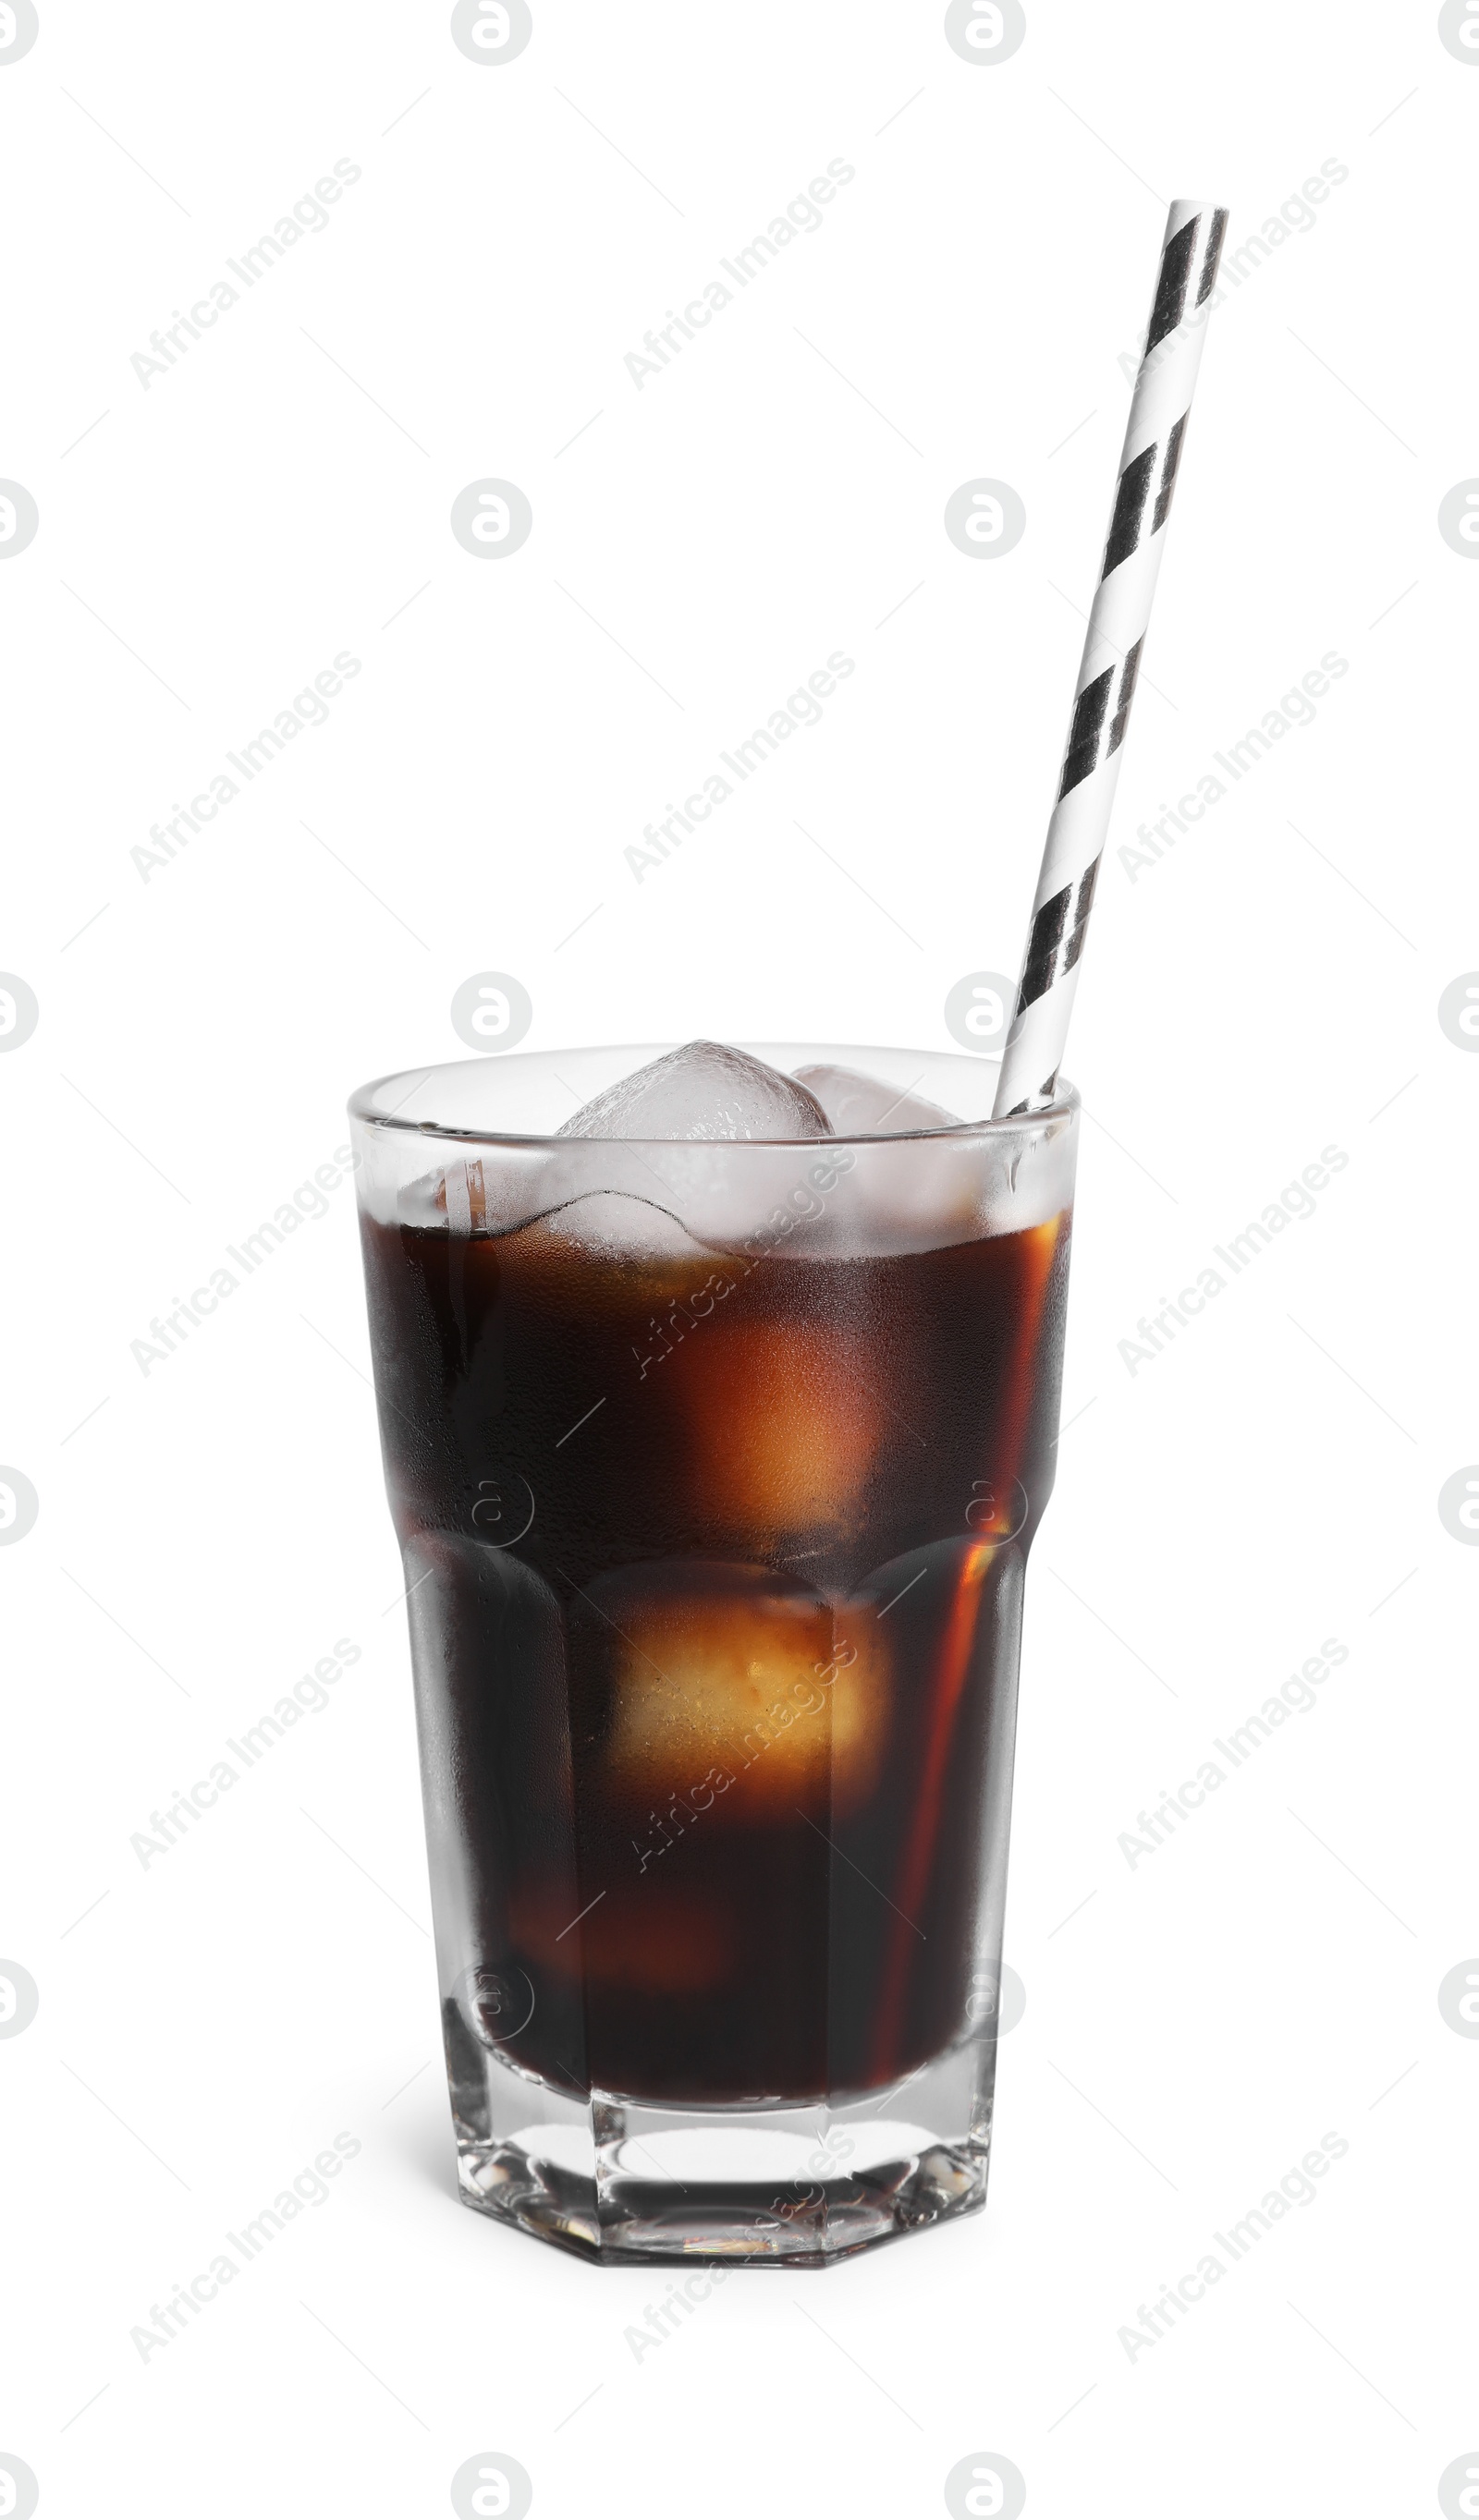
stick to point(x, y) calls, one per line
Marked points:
point(715, 1467)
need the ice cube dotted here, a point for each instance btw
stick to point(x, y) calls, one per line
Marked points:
point(737, 1692)
point(783, 1423)
point(702, 1091)
point(612, 1225)
point(648, 1937)
point(860, 1107)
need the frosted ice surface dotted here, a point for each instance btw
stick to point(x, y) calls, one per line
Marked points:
point(704, 1091)
point(859, 1106)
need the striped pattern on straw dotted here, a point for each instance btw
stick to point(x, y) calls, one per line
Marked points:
point(1117, 625)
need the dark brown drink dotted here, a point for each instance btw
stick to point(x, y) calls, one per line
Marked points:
point(715, 1569)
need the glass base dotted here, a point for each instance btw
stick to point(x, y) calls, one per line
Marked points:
point(624, 2182)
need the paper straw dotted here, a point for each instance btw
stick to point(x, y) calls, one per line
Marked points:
point(1117, 625)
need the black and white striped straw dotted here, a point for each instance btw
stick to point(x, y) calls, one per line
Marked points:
point(1117, 625)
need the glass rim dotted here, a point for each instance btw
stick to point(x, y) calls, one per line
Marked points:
point(363, 1104)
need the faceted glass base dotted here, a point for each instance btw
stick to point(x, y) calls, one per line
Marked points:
point(624, 2182)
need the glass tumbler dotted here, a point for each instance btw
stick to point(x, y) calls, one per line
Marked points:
point(715, 1467)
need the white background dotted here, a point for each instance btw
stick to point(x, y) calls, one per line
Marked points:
point(208, 1530)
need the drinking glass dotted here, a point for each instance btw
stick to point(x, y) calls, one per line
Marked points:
point(715, 1466)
